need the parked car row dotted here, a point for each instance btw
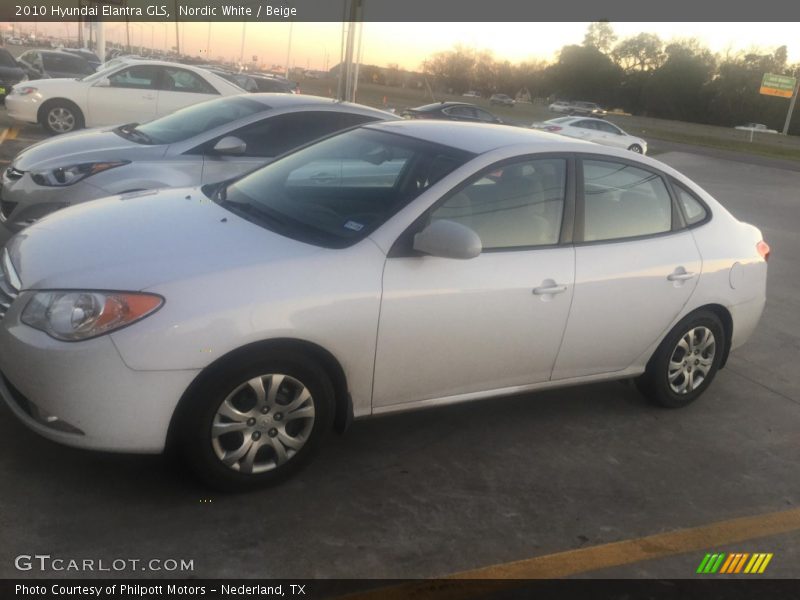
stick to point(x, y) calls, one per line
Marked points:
point(451, 111)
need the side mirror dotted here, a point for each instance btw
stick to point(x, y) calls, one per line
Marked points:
point(103, 82)
point(448, 239)
point(230, 144)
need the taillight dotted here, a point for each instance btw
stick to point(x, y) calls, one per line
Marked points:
point(763, 249)
point(553, 128)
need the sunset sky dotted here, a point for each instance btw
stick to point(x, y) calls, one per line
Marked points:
point(315, 45)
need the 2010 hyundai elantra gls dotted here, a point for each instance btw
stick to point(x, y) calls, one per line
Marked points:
point(394, 266)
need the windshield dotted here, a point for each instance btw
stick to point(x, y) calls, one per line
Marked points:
point(198, 118)
point(335, 192)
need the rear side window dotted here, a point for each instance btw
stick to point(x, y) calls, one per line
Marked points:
point(622, 201)
point(693, 210)
point(518, 205)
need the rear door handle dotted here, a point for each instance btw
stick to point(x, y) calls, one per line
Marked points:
point(549, 289)
point(680, 276)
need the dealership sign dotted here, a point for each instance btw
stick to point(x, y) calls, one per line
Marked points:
point(778, 85)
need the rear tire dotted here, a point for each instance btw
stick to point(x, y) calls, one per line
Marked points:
point(256, 423)
point(686, 361)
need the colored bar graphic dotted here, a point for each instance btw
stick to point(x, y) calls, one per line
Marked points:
point(765, 563)
point(737, 562)
point(703, 563)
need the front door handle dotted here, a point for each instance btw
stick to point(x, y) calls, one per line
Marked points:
point(549, 289)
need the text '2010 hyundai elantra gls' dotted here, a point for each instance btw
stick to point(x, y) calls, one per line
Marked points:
point(394, 266)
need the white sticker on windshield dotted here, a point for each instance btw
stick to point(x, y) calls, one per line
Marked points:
point(354, 226)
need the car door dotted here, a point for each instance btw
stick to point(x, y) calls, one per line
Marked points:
point(129, 95)
point(635, 267)
point(452, 327)
point(271, 137)
point(585, 129)
point(182, 87)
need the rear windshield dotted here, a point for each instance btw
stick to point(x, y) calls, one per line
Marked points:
point(198, 118)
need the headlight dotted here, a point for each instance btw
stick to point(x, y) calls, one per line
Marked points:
point(63, 176)
point(24, 90)
point(73, 316)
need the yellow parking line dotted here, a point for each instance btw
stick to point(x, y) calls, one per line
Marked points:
point(11, 133)
point(3, 134)
point(593, 558)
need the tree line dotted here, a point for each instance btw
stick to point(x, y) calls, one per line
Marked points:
point(642, 74)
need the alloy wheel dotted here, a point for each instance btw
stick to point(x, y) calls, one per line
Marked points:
point(263, 423)
point(691, 360)
point(61, 119)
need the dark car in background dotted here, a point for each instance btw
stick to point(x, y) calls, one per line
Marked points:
point(54, 64)
point(276, 85)
point(10, 72)
point(86, 55)
point(451, 111)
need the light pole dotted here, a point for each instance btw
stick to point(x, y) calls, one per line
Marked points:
point(289, 48)
point(791, 107)
point(241, 52)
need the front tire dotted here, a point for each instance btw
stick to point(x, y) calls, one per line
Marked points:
point(61, 116)
point(685, 363)
point(635, 148)
point(255, 424)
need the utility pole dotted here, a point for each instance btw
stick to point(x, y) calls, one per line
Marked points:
point(289, 49)
point(791, 107)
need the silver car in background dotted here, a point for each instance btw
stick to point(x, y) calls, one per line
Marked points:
point(201, 144)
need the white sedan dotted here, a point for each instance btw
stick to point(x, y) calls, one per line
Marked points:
point(131, 91)
point(395, 266)
point(599, 131)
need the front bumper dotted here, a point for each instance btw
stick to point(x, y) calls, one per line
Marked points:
point(24, 108)
point(98, 401)
point(23, 202)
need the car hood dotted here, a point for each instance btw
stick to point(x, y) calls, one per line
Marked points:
point(100, 144)
point(136, 241)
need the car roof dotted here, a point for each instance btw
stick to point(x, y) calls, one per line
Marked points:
point(281, 101)
point(439, 105)
point(477, 138)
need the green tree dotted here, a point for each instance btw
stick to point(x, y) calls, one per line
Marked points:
point(600, 35)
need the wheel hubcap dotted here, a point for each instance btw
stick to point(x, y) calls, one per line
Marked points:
point(691, 360)
point(262, 423)
point(61, 120)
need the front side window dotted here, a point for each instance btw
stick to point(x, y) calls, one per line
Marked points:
point(586, 125)
point(622, 201)
point(275, 135)
point(517, 205)
point(335, 192)
point(140, 77)
point(464, 112)
point(198, 118)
